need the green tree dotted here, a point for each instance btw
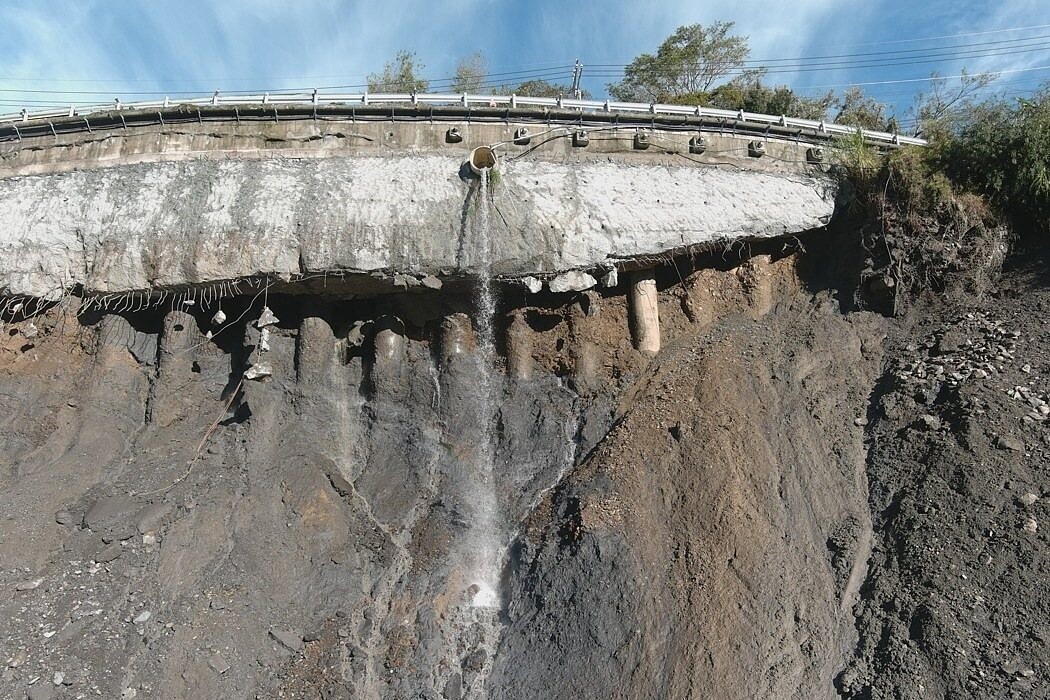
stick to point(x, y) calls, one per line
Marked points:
point(399, 75)
point(470, 74)
point(1000, 150)
point(689, 61)
point(542, 88)
point(938, 110)
point(858, 109)
point(750, 94)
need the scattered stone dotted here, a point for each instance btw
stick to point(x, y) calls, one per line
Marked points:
point(453, 688)
point(1030, 525)
point(1028, 499)
point(108, 554)
point(18, 659)
point(119, 535)
point(405, 281)
point(860, 421)
point(217, 604)
point(59, 678)
point(930, 422)
point(343, 487)
point(218, 664)
point(572, 281)
point(475, 661)
point(431, 282)
point(143, 617)
point(40, 692)
point(312, 636)
point(30, 331)
point(149, 539)
point(256, 372)
point(30, 585)
point(290, 639)
point(1007, 442)
point(611, 278)
point(107, 511)
point(64, 517)
point(150, 518)
point(339, 558)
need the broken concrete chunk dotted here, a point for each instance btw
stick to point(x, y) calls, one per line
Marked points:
point(431, 282)
point(290, 639)
point(356, 335)
point(532, 284)
point(266, 318)
point(256, 372)
point(573, 281)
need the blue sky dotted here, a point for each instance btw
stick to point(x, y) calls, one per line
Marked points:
point(102, 49)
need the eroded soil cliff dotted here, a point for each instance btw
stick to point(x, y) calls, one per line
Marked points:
point(776, 505)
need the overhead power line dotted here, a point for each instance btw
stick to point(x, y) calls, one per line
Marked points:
point(900, 53)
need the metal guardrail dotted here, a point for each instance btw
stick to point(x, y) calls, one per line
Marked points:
point(315, 99)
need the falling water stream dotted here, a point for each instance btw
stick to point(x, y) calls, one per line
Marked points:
point(474, 625)
point(486, 548)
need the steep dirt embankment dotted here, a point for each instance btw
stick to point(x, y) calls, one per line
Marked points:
point(695, 525)
point(712, 544)
point(956, 604)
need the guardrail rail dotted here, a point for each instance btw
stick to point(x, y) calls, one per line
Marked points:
point(443, 106)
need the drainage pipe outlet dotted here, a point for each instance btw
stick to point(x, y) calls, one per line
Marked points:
point(482, 158)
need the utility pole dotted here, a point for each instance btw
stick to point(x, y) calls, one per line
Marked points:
point(577, 73)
